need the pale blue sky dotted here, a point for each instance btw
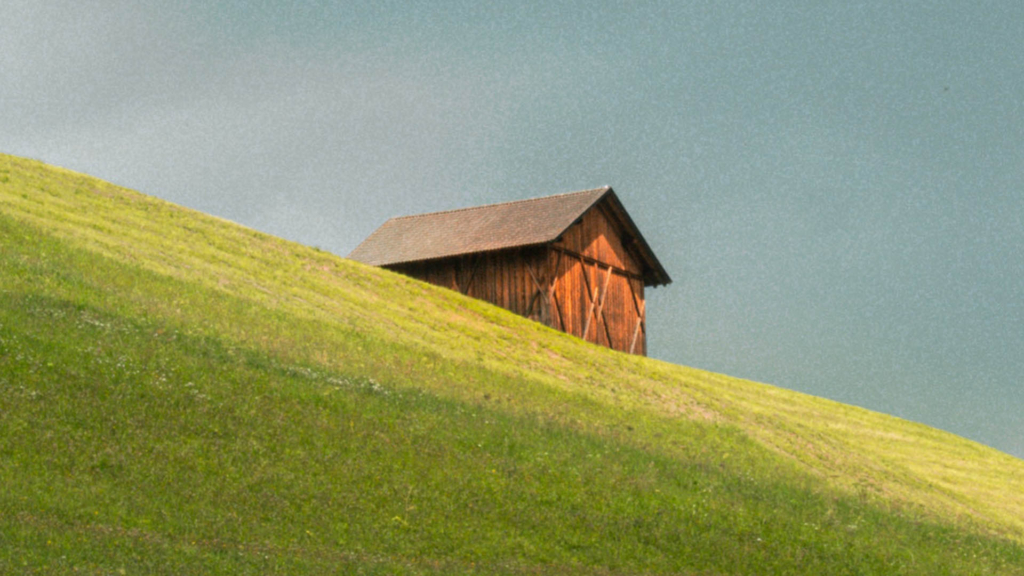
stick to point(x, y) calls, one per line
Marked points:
point(837, 189)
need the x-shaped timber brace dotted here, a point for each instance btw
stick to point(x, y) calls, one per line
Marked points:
point(641, 324)
point(461, 282)
point(596, 300)
point(545, 294)
point(545, 289)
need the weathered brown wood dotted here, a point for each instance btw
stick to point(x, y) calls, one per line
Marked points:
point(600, 308)
point(640, 307)
point(595, 261)
point(559, 284)
point(537, 294)
point(541, 268)
point(590, 296)
point(554, 303)
point(597, 301)
point(636, 331)
point(474, 264)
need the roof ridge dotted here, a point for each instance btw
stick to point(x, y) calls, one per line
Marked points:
point(485, 206)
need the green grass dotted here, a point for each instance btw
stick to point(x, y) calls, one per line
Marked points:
point(179, 394)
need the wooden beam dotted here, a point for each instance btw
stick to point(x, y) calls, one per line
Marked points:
point(533, 277)
point(599, 301)
point(639, 322)
point(552, 301)
point(531, 304)
point(474, 264)
point(597, 262)
point(636, 300)
point(591, 296)
point(640, 305)
point(538, 293)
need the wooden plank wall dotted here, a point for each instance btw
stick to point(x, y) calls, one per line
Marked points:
point(513, 279)
point(600, 304)
point(597, 236)
point(586, 284)
point(599, 285)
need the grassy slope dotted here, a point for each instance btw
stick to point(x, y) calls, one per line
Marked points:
point(180, 393)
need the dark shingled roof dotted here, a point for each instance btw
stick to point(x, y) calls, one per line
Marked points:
point(492, 227)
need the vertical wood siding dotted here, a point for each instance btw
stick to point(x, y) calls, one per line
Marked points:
point(601, 285)
point(501, 278)
point(586, 284)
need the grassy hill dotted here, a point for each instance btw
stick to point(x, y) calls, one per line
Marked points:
point(180, 394)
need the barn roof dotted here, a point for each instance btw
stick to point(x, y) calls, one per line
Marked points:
point(496, 227)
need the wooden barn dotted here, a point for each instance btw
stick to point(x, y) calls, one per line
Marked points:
point(575, 262)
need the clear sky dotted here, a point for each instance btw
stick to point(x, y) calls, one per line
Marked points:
point(836, 188)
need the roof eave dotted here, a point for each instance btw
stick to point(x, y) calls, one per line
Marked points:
point(656, 275)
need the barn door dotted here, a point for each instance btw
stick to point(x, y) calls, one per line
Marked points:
point(595, 323)
point(599, 303)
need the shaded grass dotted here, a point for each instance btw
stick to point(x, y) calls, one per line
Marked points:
point(196, 453)
point(201, 397)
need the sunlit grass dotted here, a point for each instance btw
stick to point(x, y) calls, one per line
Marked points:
point(181, 394)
